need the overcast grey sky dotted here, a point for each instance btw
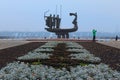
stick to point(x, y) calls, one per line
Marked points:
point(28, 15)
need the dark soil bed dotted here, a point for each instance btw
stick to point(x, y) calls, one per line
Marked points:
point(10, 54)
point(109, 55)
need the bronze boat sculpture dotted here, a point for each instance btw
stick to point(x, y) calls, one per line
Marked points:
point(53, 24)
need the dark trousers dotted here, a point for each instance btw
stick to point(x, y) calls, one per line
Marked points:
point(94, 38)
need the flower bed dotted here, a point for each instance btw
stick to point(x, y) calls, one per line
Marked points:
point(60, 64)
point(22, 71)
point(78, 52)
point(42, 52)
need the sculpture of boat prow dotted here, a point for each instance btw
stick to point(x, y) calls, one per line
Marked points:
point(53, 24)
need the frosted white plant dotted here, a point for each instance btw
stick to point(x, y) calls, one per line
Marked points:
point(43, 50)
point(45, 46)
point(82, 54)
point(49, 45)
point(78, 50)
point(85, 57)
point(53, 43)
point(35, 56)
point(17, 70)
point(73, 45)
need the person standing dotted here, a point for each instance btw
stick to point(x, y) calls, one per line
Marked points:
point(94, 34)
point(116, 38)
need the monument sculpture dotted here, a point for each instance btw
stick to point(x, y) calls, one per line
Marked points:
point(53, 25)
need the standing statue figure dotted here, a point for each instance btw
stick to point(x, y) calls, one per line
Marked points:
point(94, 34)
point(58, 20)
point(49, 21)
point(53, 21)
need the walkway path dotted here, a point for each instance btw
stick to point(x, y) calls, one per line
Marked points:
point(11, 43)
point(115, 44)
